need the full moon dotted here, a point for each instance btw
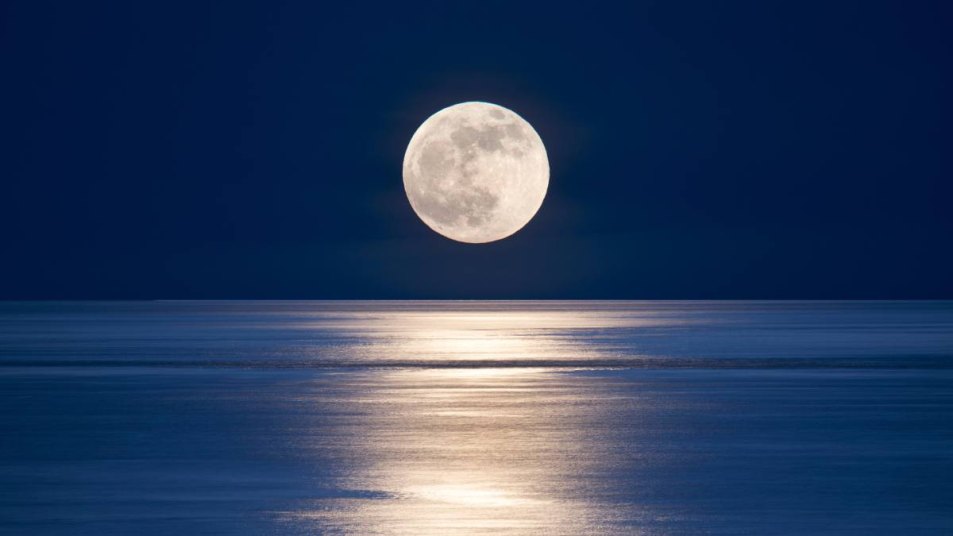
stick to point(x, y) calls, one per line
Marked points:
point(476, 172)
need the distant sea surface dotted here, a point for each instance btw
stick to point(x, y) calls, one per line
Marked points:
point(471, 417)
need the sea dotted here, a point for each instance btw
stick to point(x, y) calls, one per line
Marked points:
point(476, 417)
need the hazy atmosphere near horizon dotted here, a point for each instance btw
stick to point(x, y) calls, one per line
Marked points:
point(472, 268)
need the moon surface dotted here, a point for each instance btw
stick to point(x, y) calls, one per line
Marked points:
point(476, 172)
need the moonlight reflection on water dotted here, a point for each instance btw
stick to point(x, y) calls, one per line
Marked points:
point(465, 451)
point(471, 450)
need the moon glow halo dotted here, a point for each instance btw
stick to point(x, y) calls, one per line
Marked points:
point(476, 172)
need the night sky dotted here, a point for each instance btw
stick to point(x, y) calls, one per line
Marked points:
point(698, 150)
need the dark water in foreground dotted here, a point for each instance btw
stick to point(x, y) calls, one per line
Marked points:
point(451, 418)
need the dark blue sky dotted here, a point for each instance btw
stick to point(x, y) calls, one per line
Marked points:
point(698, 150)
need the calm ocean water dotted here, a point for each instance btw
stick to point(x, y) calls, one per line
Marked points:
point(448, 418)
